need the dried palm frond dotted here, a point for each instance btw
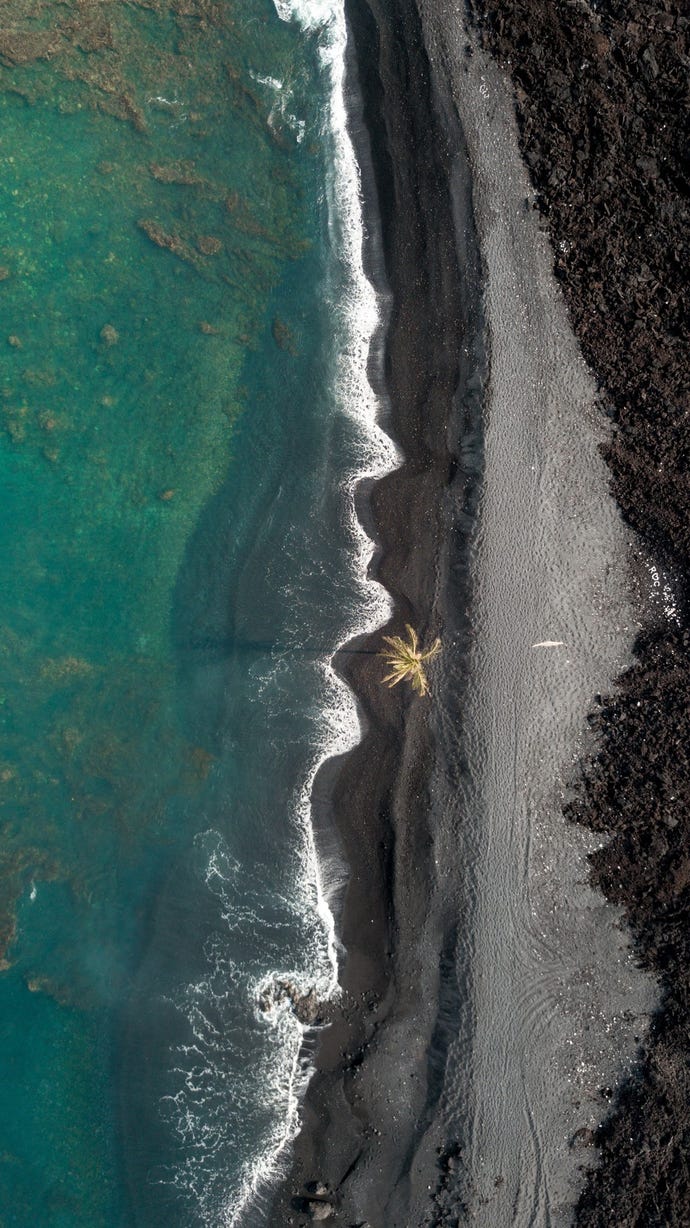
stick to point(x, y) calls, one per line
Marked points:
point(406, 661)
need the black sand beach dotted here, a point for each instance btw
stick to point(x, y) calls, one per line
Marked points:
point(378, 798)
point(617, 226)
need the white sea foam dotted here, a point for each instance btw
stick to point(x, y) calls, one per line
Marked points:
point(356, 313)
point(312, 14)
point(280, 111)
point(164, 102)
point(355, 309)
point(272, 82)
point(213, 1008)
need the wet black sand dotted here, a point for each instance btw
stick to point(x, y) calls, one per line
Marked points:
point(617, 226)
point(362, 1115)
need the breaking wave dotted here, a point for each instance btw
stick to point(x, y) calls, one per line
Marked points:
point(230, 1030)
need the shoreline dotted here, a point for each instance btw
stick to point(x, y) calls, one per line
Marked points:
point(376, 795)
point(368, 1137)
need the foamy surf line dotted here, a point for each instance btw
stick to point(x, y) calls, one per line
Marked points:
point(358, 314)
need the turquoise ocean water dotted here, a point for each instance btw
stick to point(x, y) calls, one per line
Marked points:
point(183, 413)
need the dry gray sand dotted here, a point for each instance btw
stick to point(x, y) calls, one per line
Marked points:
point(555, 1001)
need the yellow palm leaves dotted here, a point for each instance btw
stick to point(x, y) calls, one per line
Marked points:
point(406, 661)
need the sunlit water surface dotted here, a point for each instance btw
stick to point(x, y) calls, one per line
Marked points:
point(183, 413)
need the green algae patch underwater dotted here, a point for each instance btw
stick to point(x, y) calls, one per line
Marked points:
point(151, 200)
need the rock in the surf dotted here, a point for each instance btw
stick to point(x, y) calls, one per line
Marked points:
point(320, 1210)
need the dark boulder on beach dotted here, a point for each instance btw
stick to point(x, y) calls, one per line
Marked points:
point(321, 1210)
point(307, 1006)
point(318, 1189)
